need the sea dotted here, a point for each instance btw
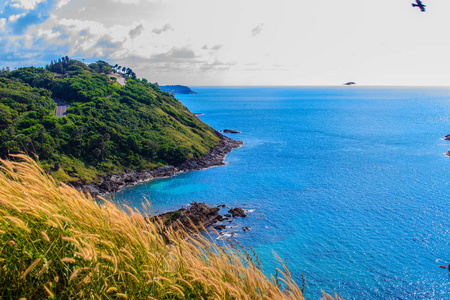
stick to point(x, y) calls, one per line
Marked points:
point(349, 186)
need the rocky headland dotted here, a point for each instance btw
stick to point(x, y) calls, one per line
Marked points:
point(177, 89)
point(114, 183)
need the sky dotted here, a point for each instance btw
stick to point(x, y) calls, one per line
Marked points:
point(237, 42)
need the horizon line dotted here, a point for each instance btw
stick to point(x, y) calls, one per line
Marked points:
point(323, 85)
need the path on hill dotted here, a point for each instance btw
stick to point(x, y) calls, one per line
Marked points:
point(61, 108)
point(120, 79)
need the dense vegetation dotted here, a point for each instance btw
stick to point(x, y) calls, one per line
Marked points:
point(108, 128)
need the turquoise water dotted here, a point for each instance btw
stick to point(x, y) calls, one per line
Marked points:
point(349, 185)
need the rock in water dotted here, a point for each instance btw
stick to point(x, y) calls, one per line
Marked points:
point(198, 215)
point(237, 212)
point(230, 131)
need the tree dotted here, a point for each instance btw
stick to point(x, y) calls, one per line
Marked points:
point(95, 67)
point(104, 67)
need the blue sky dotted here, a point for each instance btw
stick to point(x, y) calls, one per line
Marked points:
point(16, 18)
point(237, 42)
point(20, 18)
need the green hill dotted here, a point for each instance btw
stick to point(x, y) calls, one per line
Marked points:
point(108, 128)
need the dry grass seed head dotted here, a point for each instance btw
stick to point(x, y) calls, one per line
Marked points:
point(74, 274)
point(18, 222)
point(50, 294)
point(68, 260)
point(28, 270)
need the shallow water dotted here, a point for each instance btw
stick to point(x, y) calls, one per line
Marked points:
point(349, 185)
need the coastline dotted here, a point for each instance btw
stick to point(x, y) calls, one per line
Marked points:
point(114, 183)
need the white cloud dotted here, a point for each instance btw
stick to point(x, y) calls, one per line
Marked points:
point(14, 18)
point(175, 54)
point(48, 33)
point(166, 27)
point(2, 24)
point(92, 38)
point(76, 26)
point(83, 36)
point(61, 3)
point(136, 31)
point(26, 4)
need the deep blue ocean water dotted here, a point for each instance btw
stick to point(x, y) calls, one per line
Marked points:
point(349, 185)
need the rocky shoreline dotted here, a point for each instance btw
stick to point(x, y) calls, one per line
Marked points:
point(114, 183)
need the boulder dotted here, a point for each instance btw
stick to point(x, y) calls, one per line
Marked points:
point(109, 186)
point(197, 216)
point(237, 212)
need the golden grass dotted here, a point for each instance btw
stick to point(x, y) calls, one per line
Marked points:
point(58, 243)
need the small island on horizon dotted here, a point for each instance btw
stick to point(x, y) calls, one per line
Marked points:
point(177, 90)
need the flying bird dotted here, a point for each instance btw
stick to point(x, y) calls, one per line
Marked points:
point(419, 5)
